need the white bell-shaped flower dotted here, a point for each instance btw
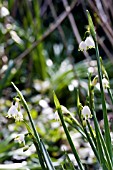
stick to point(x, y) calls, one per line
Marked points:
point(86, 113)
point(12, 111)
point(90, 42)
point(20, 138)
point(4, 12)
point(82, 46)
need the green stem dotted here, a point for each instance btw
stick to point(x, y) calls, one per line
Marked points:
point(106, 124)
point(70, 140)
point(99, 138)
point(32, 125)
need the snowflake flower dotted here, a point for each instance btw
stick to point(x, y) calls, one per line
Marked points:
point(86, 113)
point(89, 42)
point(12, 111)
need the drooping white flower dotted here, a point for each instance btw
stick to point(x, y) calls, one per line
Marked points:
point(20, 138)
point(12, 111)
point(86, 113)
point(90, 42)
point(4, 12)
point(105, 83)
point(82, 46)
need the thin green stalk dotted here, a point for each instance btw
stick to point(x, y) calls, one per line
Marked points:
point(99, 138)
point(70, 163)
point(58, 107)
point(46, 157)
point(100, 143)
point(69, 139)
point(101, 152)
point(85, 130)
point(106, 124)
point(91, 142)
point(91, 133)
point(33, 127)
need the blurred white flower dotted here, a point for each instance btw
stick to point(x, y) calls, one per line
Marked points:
point(82, 46)
point(19, 117)
point(90, 42)
point(4, 12)
point(15, 37)
point(56, 116)
point(86, 113)
point(105, 83)
point(20, 138)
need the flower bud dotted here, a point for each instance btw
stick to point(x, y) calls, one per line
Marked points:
point(94, 82)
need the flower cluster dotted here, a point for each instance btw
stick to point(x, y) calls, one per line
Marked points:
point(87, 44)
point(14, 112)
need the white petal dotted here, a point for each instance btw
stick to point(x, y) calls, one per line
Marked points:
point(12, 111)
point(86, 113)
point(4, 11)
point(89, 42)
point(17, 104)
point(56, 116)
point(82, 46)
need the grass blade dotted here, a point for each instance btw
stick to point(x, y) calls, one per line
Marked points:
point(106, 124)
